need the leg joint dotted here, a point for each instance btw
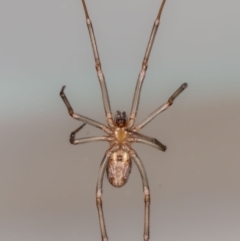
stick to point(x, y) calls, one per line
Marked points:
point(132, 153)
point(72, 138)
point(147, 199)
point(146, 237)
point(98, 66)
point(146, 195)
point(71, 112)
point(99, 202)
point(99, 198)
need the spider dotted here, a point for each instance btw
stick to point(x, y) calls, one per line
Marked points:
point(121, 132)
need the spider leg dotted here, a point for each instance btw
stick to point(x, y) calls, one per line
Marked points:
point(80, 117)
point(102, 169)
point(99, 195)
point(100, 74)
point(161, 108)
point(140, 138)
point(143, 71)
point(146, 192)
point(90, 139)
point(87, 139)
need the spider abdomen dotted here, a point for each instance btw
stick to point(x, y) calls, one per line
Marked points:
point(119, 168)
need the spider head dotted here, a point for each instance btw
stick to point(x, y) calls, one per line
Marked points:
point(121, 119)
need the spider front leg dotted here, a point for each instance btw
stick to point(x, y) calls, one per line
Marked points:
point(100, 75)
point(161, 108)
point(80, 117)
point(143, 70)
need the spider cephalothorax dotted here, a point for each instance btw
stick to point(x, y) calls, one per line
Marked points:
point(121, 132)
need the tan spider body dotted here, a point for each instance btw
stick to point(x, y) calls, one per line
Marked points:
point(121, 132)
point(119, 168)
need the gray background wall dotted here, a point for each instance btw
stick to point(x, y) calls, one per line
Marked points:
point(47, 186)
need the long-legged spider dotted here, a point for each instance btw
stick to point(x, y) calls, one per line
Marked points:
point(121, 132)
